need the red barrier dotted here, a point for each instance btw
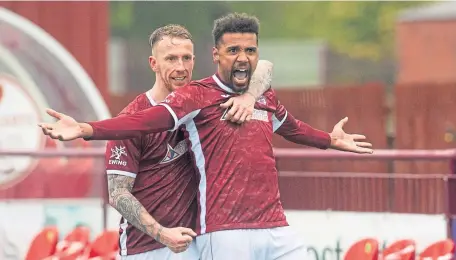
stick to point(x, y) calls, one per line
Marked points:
point(429, 193)
point(305, 154)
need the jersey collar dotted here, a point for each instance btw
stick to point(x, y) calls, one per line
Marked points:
point(221, 85)
point(151, 100)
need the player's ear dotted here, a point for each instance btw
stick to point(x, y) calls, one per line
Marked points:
point(153, 63)
point(215, 55)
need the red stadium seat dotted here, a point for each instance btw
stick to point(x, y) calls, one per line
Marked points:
point(441, 250)
point(365, 249)
point(43, 245)
point(106, 245)
point(400, 250)
point(78, 235)
point(75, 251)
point(74, 245)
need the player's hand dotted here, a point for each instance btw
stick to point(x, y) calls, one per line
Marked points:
point(65, 129)
point(176, 239)
point(349, 142)
point(241, 108)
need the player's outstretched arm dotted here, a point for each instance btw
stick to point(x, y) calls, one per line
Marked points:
point(301, 133)
point(342, 141)
point(120, 197)
point(242, 106)
point(152, 120)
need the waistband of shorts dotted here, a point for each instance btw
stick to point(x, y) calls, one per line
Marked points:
point(230, 226)
point(142, 249)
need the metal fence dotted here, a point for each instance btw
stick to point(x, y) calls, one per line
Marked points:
point(306, 190)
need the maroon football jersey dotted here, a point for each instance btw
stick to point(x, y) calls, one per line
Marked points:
point(165, 180)
point(238, 185)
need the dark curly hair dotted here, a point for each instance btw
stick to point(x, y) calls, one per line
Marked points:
point(235, 23)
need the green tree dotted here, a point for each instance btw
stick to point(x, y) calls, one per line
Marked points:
point(360, 29)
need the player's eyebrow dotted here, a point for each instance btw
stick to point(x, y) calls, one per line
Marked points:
point(169, 56)
point(233, 47)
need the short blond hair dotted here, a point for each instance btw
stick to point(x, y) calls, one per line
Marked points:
point(170, 30)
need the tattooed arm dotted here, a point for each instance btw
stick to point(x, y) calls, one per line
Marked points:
point(129, 207)
point(261, 79)
point(120, 197)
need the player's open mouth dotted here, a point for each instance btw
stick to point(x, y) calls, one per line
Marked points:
point(179, 78)
point(241, 74)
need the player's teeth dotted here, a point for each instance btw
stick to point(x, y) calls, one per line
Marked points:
point(182, 78)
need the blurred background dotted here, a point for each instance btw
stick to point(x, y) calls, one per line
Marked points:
point(389, 66)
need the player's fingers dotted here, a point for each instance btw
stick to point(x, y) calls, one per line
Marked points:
point(363, 144)
point(178, 249)
point(184, 241)
point(54, 113)
point(228, 103)
point(54, 135)
point(363, 150)
point(186, 238)
point(342, 122)
point(231, 112)
point(187, 231)
point(243, 118)
point(46, 131)
point(237, 116)
point(358, 137)
point(182, 247)
point(248, 118)
point(45, 126)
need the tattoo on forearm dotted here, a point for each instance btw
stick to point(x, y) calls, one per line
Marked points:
point(158, 236)
point(128, 206)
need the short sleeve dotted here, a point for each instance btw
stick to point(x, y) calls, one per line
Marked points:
point(122, 157)
point(184, 104)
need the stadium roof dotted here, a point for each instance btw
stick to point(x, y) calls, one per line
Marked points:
point(429, 12)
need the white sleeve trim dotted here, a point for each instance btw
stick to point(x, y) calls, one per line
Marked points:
point(276, 124)
point(176, 122)
point(188, 117)
point(124, 173)
point(183, 120)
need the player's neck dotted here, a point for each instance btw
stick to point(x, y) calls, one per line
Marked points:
point(158, 92)
point(224, 82)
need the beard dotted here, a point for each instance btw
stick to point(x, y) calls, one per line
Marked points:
point(239, 77)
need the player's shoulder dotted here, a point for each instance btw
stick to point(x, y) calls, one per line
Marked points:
point(269, 96)
point(206, 82)
point(140, 102)
point(196, 88)
point(202, 84)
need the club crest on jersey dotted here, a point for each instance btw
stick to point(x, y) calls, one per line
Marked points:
point(262, 100)
point(116, 154)
point(174, 153)
point(224, 115)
